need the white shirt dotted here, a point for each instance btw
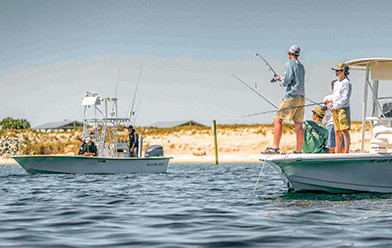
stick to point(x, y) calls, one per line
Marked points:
point(341, 94)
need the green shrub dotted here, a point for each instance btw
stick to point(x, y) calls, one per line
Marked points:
point(10, 123)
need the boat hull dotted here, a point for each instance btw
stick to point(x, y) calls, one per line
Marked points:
point(92, 165)
point(335, 173)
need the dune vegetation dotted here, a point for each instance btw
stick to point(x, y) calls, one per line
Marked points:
point(185, 140)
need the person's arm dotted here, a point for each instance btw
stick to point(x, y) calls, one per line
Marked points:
point(288, 75)
point(95, 150)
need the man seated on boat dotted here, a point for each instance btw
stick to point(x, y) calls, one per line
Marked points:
point(82, 148)
point(133, 142)
point(315, 133)
point(91, 148)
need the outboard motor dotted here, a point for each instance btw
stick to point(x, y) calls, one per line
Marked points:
point(154, 151)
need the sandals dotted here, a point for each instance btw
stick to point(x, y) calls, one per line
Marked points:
point(295, 152)
point(271, 150)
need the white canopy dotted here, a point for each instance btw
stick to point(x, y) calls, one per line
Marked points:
point(380, 68)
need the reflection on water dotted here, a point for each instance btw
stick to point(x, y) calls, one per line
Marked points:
point(190, 206)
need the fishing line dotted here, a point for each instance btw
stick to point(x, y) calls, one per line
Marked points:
point(273, 111)
point(255, 91)
point(261, 171)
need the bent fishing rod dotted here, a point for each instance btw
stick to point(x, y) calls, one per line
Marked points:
point(273, 80)
point(273, 111)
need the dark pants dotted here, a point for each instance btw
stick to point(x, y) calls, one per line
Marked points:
point(133, 153)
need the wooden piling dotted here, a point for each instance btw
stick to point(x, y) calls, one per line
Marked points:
point(215, 140)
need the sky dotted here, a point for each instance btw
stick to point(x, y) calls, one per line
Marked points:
point(53, 52)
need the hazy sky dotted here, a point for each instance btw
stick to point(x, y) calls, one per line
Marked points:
point(52, 52)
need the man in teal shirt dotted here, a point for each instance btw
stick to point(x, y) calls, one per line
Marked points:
point(315, 133)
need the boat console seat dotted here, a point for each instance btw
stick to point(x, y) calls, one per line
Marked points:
point(381, 141)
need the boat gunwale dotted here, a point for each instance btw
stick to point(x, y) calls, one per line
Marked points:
point(88, 157)
point(325, 156)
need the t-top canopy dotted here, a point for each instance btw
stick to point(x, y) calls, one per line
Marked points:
point(381, 68)
point(366, 61)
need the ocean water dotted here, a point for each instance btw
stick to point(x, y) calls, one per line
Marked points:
point(193, 205)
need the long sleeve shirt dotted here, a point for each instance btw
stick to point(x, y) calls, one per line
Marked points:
point(294, 79)
point(315, 137)
point(341, 94)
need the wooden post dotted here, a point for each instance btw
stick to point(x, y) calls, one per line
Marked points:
point(215, 140)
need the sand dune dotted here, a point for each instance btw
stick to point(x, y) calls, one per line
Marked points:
point(189, 144)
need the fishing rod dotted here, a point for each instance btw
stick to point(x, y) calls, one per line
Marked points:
point(115, 91)
point(118, 79)
point(273, 111)
point(134, 96)
point(255, 91)
point(273, 80)
point(315, 103)
point(137, 113)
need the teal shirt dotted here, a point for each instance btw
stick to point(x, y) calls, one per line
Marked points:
point(315, 137)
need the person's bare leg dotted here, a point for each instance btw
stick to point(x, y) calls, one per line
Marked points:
point(278, 130)
point(338, 141)
point(347, 140)
point(331, 149)
point(300, 135)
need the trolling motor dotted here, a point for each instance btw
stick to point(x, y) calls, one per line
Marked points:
point(273, 80)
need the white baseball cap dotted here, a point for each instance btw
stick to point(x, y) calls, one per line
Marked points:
point(294, 49)
point(88, 140)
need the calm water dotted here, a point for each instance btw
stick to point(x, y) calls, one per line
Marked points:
point(190, 206)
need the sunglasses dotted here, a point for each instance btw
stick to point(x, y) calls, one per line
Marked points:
point(338, 70)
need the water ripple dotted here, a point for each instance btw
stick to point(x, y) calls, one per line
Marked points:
point(190, 206)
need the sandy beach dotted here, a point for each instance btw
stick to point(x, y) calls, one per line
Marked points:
point(195, 145)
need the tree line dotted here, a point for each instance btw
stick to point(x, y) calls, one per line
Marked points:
point(10, 123)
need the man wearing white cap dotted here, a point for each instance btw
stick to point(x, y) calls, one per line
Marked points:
point(292, 105)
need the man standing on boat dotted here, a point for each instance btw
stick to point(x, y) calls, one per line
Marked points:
point(340, 99)
point(133, 142)
point(292, 105)
point(82, 148)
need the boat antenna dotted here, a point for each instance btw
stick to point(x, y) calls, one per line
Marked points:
point(255, 91)
point(273, 111)
point(134, 95)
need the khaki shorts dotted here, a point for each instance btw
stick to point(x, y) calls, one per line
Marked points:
point(292, 109)
point(342, 119)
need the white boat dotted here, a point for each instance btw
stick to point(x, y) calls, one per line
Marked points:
point(356, 172)
point(91, 165)
point(113, 156)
